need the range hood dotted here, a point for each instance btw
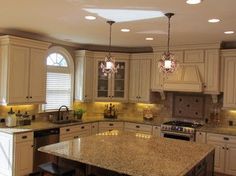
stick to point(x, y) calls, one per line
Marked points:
point(185, 79)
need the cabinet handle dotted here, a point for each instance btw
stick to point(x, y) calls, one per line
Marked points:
point(67, 129)
point(24, 137)
point(226, 138)
point(75, 137)
point(111, 124)
point(223, 148)
point(85, 96)
point(137, 126)
point(227, 148)
point(82, 127)
point(32, 146)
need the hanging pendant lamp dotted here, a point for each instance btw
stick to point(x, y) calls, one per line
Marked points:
point(108, 66)
point(168, 64)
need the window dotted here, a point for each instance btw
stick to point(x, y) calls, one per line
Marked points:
point(59, 79)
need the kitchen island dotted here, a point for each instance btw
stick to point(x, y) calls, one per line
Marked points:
point(137, 154)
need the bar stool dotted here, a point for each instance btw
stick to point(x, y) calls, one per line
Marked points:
point(52, 169)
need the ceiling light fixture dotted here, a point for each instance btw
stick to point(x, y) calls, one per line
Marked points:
point(108, 66)
point(192, 2)
point(90, 17)
point(149, 38)
point(125, 30)
point(167, 64)
point(214, 20)
point(229, 32)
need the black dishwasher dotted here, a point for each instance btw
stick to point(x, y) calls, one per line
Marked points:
point(42, 138)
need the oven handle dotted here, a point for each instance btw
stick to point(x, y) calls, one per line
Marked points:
point(176, 133)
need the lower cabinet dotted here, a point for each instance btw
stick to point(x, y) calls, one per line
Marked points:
point(156, 131)
point(200, 137)
point(225, 152)
point(108, 126)
point(16, 154)
point(74, 132)
point(135, 127)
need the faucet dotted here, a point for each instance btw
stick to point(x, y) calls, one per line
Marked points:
point(60, 116)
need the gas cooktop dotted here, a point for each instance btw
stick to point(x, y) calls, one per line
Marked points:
point(183, 124)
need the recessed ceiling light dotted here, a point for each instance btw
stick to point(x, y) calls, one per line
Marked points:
point(193, 1)
point(229, 32)
point(90, 17)
point(149, 38)
point(125, 30)
point(214, 20)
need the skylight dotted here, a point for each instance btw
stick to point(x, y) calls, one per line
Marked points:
point(125, 15)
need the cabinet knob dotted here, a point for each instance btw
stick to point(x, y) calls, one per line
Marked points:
point(31, 97)
point(82, 127)
point(27, 97)
point(85, 96)
point(111, 124)
point(223, 148)
point(68, 129)
point(137, 126)
point(226, 138)
point(137, 97)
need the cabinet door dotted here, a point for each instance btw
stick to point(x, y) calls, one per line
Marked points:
point(156, 131)
point(24, 158)
point(134, 81)
point(18, 74)
point(200, 137)
point(230, 83)
point(144, 80)
point(88, 80)
point(6, 154)
point(119, 82)
point(94, 128)
point(156, 75)
point(219, 155)
point(37, 76)
point(212, 72)
point(230, 165)
point(103, 83)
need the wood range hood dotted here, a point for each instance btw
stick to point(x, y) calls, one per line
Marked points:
point(186, 79)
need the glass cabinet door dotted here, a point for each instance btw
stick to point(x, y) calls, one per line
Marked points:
point(103, 83)
point(119, 81)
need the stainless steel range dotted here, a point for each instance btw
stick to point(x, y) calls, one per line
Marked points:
point(180, 130)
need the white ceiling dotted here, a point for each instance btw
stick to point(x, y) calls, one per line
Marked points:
point(64, 20)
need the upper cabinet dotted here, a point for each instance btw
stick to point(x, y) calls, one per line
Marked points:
point(114, 87)
point(139, 83)
point(198, 71)
point(229, 57)
point(84, 75)
point(23, 70)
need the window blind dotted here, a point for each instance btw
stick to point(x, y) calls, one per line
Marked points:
point(58, 90)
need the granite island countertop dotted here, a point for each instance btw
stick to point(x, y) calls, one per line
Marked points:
point(133, 153)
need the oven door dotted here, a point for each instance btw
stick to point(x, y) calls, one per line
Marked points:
point(176, 135)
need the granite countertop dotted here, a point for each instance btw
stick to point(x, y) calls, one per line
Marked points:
point(43, 124)
point(219, 129)
point(133, 153)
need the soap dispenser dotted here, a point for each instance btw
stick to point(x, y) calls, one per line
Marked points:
point(11, 119)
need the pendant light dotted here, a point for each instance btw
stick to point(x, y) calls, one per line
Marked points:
point(108, 67)
point(168, 64)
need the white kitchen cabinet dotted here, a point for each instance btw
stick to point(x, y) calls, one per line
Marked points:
point(74, 132)
point(200, 137)
point(108, 126)
point(225, 152)
point(84, 75)
point(115, 87)
point(16, 154)
point(23, 70)
point(94, 128)
point(156, 131)
point(212, 72)
point(136, 127)
point(229, 100)
point(139, 82)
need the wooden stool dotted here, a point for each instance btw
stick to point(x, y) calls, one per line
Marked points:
point(52, 169)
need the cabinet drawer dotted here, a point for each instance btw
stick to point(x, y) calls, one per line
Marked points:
point(111, 124)
point(221, 138)
point(138, 127)
point(24, 137)
point(84, 127)
point(68, 130)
